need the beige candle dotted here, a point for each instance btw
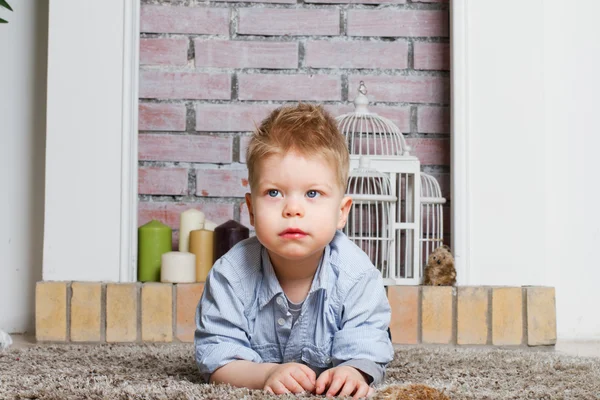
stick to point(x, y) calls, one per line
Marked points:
point(178, 267)
point(209, 225)
point(189, 220)
point(202, 245)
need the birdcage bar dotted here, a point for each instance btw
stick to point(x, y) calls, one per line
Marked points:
point(432, 221)
point(368, 224)
point(404, 176)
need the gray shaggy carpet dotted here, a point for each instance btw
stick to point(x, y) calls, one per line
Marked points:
point(145, 371)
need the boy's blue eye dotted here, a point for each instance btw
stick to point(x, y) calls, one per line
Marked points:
point(273, 192)
point(312, 194)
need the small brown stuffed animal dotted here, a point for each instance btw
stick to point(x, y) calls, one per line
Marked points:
point(410, 392)
point(439, 270)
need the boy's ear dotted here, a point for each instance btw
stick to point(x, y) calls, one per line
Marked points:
point(250, 211)
point(345, 205)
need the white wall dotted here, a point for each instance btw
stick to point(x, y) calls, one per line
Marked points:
point(23, 44)
point(532, 88)
point(91, 156)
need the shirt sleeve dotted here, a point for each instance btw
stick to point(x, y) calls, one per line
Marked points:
point(221, 326)
point(363, 341)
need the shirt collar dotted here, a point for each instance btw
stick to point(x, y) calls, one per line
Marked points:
point(270, 284)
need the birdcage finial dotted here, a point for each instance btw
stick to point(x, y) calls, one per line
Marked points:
point(362, 89)
point(361, 101)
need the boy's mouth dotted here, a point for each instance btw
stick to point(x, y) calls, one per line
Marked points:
point(293, 233)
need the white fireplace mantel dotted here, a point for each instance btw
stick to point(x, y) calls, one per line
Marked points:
point(524, 142)
point(91, 155)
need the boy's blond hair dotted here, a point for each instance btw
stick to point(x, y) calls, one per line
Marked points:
point(305, 128)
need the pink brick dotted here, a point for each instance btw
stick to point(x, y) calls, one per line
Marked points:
point(154, 180)
point(169, 19)
point(230, 117)
point(245, 54)
point(289, 87)
point(185, 85)
point(161, 117)
point(432, 56)
point(244, 141)
point(169, 213)
point(413, 23)
point(163, 51)
point(356, 1)
point(414, 89)
point(433, 119)
point(356, 54)
point(222, 182)
point(291, 21)
point(431, 151)
point(190, 148)
point(399, 115)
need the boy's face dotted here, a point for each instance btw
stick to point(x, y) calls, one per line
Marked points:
point(296, 206)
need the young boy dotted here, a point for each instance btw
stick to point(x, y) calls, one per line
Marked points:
point(298, 307)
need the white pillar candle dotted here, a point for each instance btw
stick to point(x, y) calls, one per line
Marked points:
point(189, 220)
point(209, 225)
point(178, 267)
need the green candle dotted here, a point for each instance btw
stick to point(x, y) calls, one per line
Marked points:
point(154, 239)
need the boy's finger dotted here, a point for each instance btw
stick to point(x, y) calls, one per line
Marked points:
point(292, 385)
point(336, 384)
point(309, 372)
point(348, 388)
point(268, 389)
point(371, 392)
point(300, 376)
point(362, 391)
point(279, 388)
point(323, 381)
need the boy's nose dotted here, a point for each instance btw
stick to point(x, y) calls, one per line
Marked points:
point(293, 209)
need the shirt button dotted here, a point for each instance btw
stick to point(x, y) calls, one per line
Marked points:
point(281, 321)
point(279, 301)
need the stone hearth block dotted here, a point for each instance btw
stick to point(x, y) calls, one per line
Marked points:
point(157, 312)
point(541, 316)
point(51, 311)
point(472, 315)
point(188, 296)
point(507, 316)
point(404, 325)
point(165, 312)
point(86, 311)
point(436, 317)
point(121, 312)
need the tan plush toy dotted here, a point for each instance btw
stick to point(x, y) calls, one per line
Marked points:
point(439, 270)
point(410, 392)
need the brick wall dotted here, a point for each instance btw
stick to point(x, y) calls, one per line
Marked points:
point(211, 69)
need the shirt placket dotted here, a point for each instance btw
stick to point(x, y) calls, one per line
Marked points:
point(283, 323)
point(293, 348)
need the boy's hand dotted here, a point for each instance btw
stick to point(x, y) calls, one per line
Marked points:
point(290, 378)
point(343, 381)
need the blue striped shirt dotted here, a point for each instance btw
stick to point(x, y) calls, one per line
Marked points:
point(244, 315)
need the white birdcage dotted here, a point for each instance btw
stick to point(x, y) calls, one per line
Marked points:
point(368, 223)
point(432, 216)
point(380, 140)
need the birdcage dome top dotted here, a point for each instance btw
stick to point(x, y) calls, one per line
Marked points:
point(430, 190)
point(368, 184)
point(368, 133)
